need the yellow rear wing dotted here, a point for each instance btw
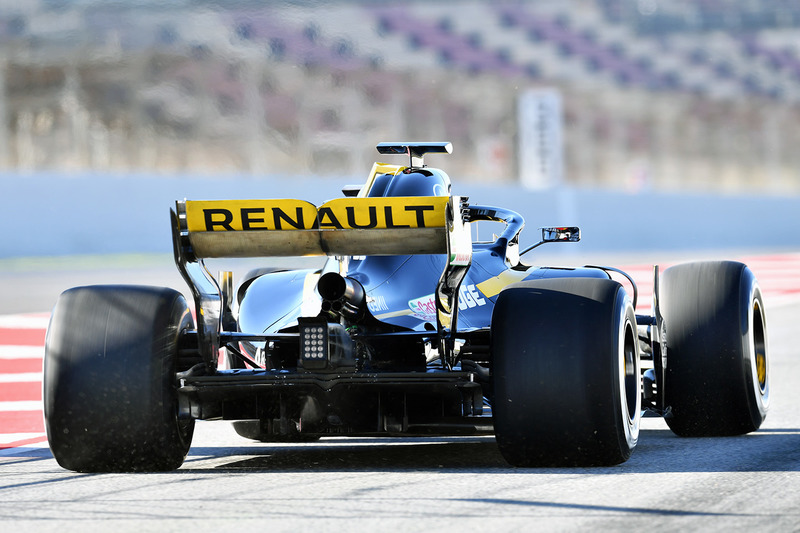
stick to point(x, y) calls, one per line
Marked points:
point(340, 227)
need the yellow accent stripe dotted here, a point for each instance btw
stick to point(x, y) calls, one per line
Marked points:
point(493, 286)
point(379, 168)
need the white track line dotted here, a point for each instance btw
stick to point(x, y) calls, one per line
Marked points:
point(21, 352)
point(25, 321)
point(21, 406)
point(21, 377)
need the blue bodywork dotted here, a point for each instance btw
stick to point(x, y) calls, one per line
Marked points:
point(399, 289)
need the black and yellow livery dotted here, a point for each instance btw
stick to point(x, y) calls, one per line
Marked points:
point(410, 328)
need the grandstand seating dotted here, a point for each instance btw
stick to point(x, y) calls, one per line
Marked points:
point(298, 73)
point(675, 45)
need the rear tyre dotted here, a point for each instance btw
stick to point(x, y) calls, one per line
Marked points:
point(717, 375)
point(110, 400)
point(566, 373)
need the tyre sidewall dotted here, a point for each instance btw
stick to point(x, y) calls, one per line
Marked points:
point(628, 385)
point(558, 373)
point(714, 316)
point(752, 304)
point(110, 398)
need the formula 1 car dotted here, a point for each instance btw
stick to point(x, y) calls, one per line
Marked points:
point(409, 329)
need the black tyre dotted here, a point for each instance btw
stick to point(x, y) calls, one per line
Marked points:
point(566, 373)
point(110, 401)
point(717, 375)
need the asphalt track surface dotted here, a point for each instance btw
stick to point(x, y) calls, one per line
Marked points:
point(435, 484)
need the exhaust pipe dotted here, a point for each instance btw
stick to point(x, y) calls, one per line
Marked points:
point(342, 296)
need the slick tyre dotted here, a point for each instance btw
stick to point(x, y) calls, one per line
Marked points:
point(566, 373)
point(110, 401)
point(717, 375)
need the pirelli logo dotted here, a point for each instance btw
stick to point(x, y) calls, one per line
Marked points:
point(339, 214)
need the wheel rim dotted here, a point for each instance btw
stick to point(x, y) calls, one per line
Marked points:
point(630, 370)
point(760, 348)
point(629, 381)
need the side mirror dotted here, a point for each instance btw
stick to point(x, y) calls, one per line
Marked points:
point(568, 234)
point(559, 234)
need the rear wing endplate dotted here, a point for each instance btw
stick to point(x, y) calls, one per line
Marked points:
point(340, 227)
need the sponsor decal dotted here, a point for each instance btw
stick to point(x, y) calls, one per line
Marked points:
point(248, 215)
point(469, 297)
point(341, 213)
point(460, 259)
point(376, 304)
point(424, 308)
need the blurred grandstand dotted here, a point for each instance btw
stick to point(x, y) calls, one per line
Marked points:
point(660, 94)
